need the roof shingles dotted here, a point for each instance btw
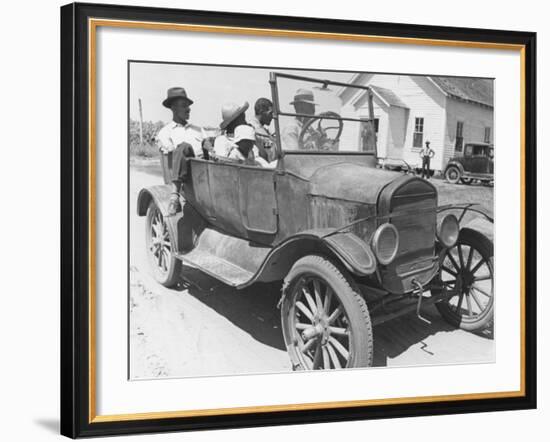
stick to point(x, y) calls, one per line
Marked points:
point(476, 90)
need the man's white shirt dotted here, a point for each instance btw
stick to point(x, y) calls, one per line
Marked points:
point(172, 134)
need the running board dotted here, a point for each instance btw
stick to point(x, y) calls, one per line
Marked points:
point(218, 268)
point(231, 260)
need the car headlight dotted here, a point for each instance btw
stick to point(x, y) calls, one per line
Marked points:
point(385, 243)
point(447, 230)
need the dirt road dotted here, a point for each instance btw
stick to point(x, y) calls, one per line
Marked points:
point(209, 329)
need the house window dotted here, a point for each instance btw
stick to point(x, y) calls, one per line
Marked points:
point(368, 141)
point(376, 124)
point(487, 135)
point(459, 139)
point(418, 136)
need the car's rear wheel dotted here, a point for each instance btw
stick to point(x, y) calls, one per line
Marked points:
point(160, 248)
point(467, 268)
point(466, 181)
point(325, 321)
point(452, 174)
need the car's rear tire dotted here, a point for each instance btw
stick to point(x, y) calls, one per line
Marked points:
point(160, 246)
point(452, 174)
point(326, 323)
point(466, 181)
point(468, 266)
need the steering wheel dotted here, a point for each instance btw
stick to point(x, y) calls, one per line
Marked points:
point(321, 137)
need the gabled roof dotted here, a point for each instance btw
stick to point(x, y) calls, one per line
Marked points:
point(388, 96)
point(475, 90)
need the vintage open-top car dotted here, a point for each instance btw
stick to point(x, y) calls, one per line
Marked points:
point(476, 163)
point(355, 245)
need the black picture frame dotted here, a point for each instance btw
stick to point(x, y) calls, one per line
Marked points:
point(75, 219)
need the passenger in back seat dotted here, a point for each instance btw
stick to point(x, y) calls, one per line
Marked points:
point(233, 115)
point(182, 139)
point(243, 150)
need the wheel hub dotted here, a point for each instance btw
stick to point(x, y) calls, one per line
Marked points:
point(466, 280)
point(320, 329)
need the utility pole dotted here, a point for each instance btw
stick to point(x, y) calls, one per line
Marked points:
point(140, 123)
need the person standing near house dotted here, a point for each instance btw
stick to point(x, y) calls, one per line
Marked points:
point(426, 153)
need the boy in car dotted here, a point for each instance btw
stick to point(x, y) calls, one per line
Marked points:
point(243, 151)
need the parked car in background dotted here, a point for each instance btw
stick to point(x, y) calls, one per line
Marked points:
point(476, 163)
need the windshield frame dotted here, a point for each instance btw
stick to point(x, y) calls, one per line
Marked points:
point(273, 76)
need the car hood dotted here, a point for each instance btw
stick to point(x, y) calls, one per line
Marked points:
point(351, 182)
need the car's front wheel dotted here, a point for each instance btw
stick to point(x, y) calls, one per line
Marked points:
point(467, 269)
point(160, 248)
point(325, 321)
point(452, 174)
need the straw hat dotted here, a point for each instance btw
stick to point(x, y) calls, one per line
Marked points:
point(230, 111)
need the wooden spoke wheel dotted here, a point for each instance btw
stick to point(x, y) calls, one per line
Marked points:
point(160, 248)
point(325, 321)
point(468, 269)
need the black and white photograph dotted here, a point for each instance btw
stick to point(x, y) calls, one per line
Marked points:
point(285, 220)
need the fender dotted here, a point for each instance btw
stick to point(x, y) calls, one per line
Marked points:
point(455, 163)
point(481, 219)
point(345, 247)
point(160, 194)
point(186, 233)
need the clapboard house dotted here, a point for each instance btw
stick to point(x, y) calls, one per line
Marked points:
point(410, 110)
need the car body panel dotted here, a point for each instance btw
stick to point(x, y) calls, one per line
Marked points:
point(240, 261)
point(264, 208)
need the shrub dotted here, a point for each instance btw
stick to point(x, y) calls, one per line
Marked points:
point(148, 148)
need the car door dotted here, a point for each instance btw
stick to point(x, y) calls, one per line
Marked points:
point(214, 191)
point(479, 161)
point(467, 158)
point(258, 202)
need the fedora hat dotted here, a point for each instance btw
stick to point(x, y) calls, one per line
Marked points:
point(173, 93)
point(244, 132)
point(303, 96)
point(230, 111)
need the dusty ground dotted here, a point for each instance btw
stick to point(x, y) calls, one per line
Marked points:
point(210, 329)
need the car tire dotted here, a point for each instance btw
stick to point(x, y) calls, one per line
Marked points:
point(330, 330)
point(452, 174)
point(471, 259)
point(466, 181)
point(160, 245)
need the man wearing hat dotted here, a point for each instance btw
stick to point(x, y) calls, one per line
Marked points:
point(427, 153)
point(303, 104)
point(244, 148)
point(233, 115)
point(180, 138)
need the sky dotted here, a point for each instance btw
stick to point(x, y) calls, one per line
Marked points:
point(211, 86)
